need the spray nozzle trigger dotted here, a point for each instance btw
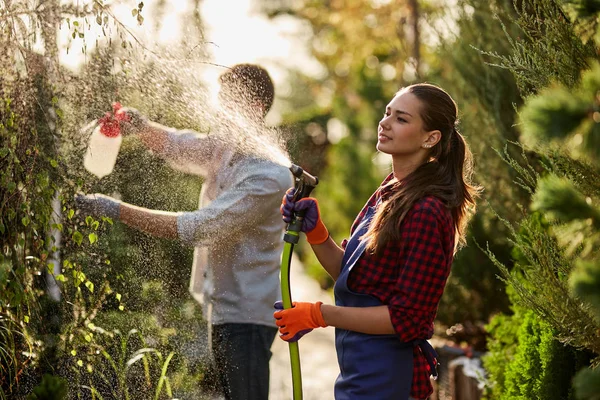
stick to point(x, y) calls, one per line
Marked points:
point(304, 182)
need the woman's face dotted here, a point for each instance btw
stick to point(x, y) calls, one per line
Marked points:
point(401, 132)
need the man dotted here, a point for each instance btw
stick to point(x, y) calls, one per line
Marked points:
point(237, 231)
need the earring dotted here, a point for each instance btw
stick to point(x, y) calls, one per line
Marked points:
point(427, 146)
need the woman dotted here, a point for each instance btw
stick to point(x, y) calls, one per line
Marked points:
point(391, 273)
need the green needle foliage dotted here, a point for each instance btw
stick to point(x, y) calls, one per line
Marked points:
point(556, 244)
point(564, 115)
point(553, 115)
point(560, 198)
point(585, 281)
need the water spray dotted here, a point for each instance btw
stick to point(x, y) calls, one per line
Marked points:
point(304, 183)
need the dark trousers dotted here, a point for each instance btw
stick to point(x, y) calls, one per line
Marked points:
point(242, 353)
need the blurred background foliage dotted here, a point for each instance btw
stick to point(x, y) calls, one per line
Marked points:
point(525, 76)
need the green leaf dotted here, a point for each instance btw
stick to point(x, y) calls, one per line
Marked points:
point(79, 276)
point(25, 221)
point(88, 220)
point(118, 296)
point(93, 238)
point(70, 213)
point(77, 237)
point(90, 286)
point(53, 163)
point(60, 278)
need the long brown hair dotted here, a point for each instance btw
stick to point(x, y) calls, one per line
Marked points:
point(446, 174)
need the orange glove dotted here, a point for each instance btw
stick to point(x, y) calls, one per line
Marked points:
point(295, 322)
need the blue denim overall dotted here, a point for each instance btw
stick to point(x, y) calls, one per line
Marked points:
point(371, 366)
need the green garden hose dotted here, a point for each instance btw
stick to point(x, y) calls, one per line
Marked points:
point(304, 184)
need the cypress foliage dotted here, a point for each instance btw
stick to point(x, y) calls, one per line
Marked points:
point(557, 244)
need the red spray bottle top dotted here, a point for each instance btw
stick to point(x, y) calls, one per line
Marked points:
point(110, 123)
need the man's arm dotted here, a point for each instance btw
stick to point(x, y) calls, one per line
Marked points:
point(157, 223)
point(185, 150)
point(154, 222)
point(154, 136)
point(236, 210)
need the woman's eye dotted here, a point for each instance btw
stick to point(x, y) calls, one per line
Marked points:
point(401, 119)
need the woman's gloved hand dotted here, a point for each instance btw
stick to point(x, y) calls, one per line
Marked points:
point(299, 320)
point(313, 226)
point(98, 205)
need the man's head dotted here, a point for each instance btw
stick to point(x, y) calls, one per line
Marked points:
point(248, 87)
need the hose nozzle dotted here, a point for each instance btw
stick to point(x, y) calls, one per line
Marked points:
point(305, 182)
point(299, 173)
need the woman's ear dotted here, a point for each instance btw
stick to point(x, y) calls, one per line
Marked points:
point(432, 138)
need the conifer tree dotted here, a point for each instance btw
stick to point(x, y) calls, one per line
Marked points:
point(557, 244)
point(572, 118)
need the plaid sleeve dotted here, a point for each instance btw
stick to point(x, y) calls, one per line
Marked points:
point(424, 268)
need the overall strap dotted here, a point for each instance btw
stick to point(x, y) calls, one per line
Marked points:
point(430, 354)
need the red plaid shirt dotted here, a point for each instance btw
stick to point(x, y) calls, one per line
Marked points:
point(409, 275)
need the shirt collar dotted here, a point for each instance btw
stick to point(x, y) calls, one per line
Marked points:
point(387, 187)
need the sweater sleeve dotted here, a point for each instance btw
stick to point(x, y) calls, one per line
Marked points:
point(189, 151)
point(236, 210)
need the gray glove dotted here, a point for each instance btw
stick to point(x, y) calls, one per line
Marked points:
point(98, 205)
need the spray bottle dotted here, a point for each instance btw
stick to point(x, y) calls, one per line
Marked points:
point(105, 141)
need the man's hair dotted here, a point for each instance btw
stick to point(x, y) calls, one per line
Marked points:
point(249, 84)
